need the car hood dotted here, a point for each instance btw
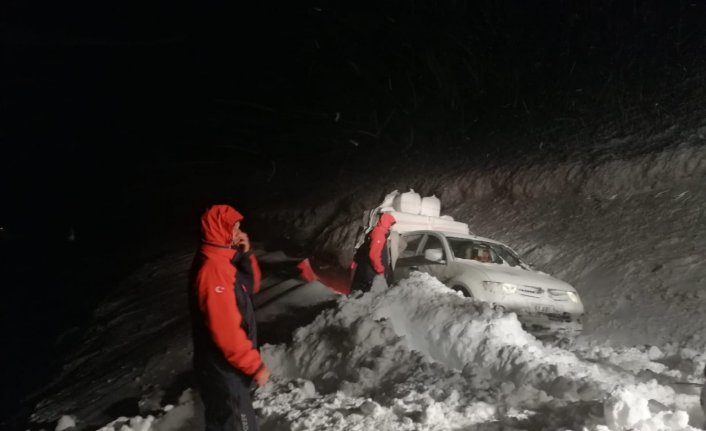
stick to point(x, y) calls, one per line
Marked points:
point(508, 274)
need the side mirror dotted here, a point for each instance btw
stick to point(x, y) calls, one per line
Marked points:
point(433, 254)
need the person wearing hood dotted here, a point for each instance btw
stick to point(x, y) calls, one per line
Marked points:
point(224, 277)
point(373, 257)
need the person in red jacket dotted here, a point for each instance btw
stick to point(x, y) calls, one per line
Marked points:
point(224, 277)
point(373, 257)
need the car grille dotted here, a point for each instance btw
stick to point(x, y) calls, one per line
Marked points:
point(533, 291)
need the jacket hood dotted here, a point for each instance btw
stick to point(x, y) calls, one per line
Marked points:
point(386, 220)
point(217, 224)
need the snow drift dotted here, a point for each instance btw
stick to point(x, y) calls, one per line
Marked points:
point(420, 357)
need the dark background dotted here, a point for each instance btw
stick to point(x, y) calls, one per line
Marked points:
point(122, 121)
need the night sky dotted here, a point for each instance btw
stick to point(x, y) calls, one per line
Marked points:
point(102, 93)
point(121, 121)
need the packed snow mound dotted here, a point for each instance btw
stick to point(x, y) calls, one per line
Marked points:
point(418, 356)
point(628, 410)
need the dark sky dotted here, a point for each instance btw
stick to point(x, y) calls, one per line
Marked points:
point(103, 97)
point(130, 81)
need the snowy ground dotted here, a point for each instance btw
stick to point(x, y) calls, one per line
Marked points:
point(136, 358)
point(420, 357)
point(629, 234)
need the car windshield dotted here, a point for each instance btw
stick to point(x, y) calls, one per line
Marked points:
point(486, 252)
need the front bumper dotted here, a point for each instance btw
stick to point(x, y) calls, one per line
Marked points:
point(563, 324)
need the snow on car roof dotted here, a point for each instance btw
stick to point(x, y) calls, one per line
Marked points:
point(456, 235)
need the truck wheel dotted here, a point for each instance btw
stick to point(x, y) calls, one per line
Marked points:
point(463, 290)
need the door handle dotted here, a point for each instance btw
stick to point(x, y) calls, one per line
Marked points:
point(414, 268)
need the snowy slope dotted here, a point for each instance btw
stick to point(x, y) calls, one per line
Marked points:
point(138, 344)
point(629, 234)
point(136, 357)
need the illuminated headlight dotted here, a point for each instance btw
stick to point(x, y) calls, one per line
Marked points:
point(573, 296)
point(509, 288)
point(494, 286)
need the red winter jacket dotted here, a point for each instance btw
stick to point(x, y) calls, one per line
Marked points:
point(215, 281)
point(378, 236)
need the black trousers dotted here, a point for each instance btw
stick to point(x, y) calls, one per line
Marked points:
point(364, 272)
point(226, 398)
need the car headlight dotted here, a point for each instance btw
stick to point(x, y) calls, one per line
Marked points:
point(494, 286)
point(573, 296)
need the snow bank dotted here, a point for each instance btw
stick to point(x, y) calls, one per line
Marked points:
point(418, 356)
point(628, 410)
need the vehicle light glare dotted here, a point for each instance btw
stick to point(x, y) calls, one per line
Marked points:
point(509, 288)
point(573, 296)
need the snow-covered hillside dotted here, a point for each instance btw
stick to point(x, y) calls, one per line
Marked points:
point(628, 233)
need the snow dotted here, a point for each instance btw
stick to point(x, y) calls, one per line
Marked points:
point(628, 410)
point(418, 356)
point(65, 422)
point(427, 358)
point(300, 294)
point(628, 233)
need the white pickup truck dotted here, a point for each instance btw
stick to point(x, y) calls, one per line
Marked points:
point(478, 267)
point(490, 271)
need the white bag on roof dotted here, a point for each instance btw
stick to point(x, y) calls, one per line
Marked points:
point(409, 202)
point(431, 206)
point(408, 222)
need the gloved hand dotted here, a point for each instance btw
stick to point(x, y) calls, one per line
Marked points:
point(262, 376)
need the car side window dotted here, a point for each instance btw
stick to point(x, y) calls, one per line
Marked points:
point(460, 248)
point(408, 245)
point(434, 243)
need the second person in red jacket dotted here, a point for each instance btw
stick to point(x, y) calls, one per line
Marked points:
point(373, 257)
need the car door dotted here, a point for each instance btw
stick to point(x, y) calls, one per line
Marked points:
point(408, 246)
point(411, 255)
